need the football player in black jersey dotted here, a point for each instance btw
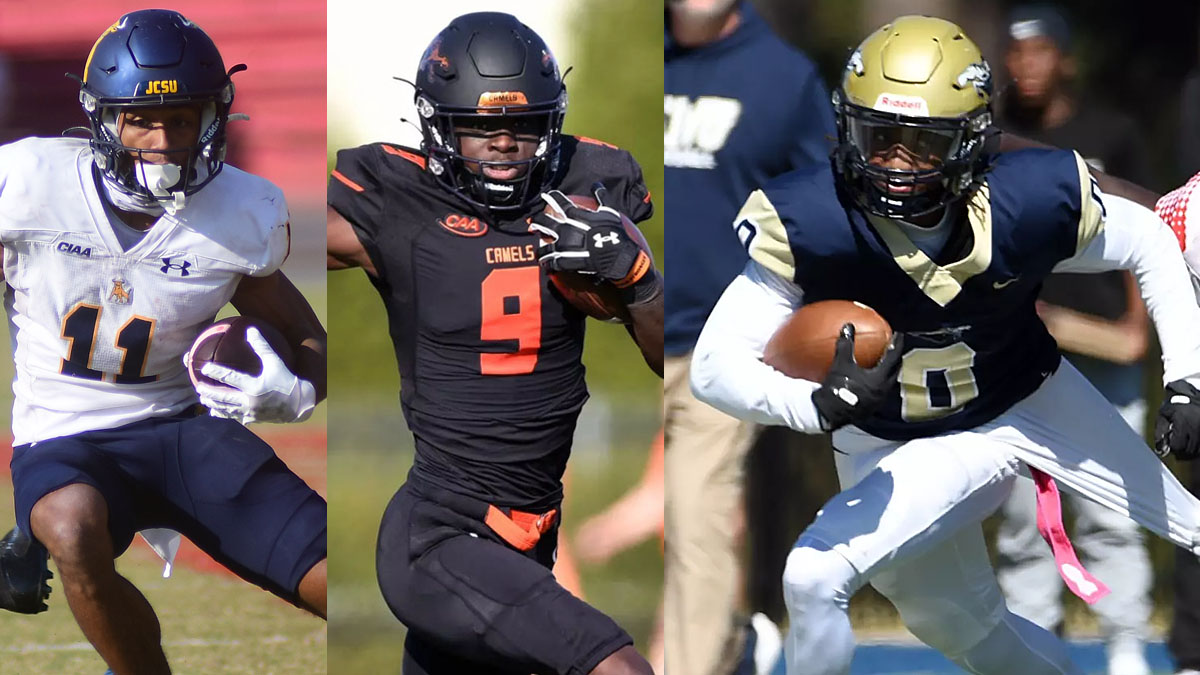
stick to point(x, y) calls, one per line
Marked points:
point(454, 238)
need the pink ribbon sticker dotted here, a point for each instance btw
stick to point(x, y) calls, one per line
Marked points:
point(1050, 524)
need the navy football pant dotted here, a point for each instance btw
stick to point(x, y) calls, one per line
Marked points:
point(210, 479)
point(474, 604)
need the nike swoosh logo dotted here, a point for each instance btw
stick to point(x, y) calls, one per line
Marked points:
point(1001, 284)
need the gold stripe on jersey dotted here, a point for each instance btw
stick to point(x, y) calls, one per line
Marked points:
point(768, 243)
point(1091, 212)
point(943, 283)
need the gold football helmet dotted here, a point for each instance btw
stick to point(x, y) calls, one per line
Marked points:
point(918, 87)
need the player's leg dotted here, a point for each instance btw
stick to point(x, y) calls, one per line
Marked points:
point(225, 489)
point(948, 597)
point(453, 584)
point(903, 503)
point(113, 615)
point(1024, 563)
point(704, 455)
point(1068, 430)
point(76, 503)
point(312, 589)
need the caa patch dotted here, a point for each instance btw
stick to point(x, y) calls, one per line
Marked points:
point(464, 226)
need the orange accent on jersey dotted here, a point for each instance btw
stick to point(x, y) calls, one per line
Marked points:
point(646, 199)
point(585, 139)
point(349, 183)
point(639, 269)
point(492, 99)
point(521, 530)
point(412, 157)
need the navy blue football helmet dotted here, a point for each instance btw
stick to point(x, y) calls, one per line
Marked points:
point(483, 67)
point(155, 57)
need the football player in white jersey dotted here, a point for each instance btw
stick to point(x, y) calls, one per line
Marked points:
point(118, 251)
point(931, 440)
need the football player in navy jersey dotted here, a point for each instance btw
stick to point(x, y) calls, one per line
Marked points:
point(454, 238)
point(950, 245)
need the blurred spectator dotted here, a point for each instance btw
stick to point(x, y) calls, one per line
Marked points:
point(1184, 640)
point(635, 517)
point(1101, 325)
point(740, 107)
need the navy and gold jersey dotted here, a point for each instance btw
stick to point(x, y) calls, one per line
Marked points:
point(974, 344)
point(489, 354)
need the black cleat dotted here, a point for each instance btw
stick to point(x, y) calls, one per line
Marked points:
point(23, 574)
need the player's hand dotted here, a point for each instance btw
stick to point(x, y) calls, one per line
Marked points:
point(575, 239)
point(275, 395)
point(1177, 429)
point(851, 393)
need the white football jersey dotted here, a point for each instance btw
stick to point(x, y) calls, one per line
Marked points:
point(1180, 209)
point(98, 332)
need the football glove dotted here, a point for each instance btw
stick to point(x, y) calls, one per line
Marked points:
point(575, 239)
point(851, 393)
point(275, 395)
point(23, 574)
point(1177, 429)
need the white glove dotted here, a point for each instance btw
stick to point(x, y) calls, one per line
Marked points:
point(276, 395)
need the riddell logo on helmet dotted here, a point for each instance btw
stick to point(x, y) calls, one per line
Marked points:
point(904, 105)
point(465, 226)
point(495, 98)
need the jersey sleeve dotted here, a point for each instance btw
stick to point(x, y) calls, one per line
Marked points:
point(278, 236)
point(1180, 210)
point(355, 191)
point(760, 228)
point(1091, 213)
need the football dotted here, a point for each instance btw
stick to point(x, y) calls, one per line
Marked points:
point(224, 343)
point(598, 300)
point(804, 345)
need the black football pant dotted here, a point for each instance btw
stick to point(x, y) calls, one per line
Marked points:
point(474, 603)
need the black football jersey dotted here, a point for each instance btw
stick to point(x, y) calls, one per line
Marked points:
point(489, 353)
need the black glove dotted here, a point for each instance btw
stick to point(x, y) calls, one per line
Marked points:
point(850, 393)
point(1177, 429)
point(576, 239)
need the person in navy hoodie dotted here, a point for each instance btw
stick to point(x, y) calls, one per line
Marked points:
point(741, 106)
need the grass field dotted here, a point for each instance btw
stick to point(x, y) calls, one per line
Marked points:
point(211, 623)
point(369, 455)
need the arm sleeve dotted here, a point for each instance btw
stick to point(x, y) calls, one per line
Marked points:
point(634, 195)
point(355, 192)
point(727, 368)
point(1134, 239)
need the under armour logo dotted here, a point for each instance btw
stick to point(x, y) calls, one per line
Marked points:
point(168, 266)
point(602, 239)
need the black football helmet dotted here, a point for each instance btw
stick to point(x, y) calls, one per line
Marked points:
point(155, 57)
point(489, 65)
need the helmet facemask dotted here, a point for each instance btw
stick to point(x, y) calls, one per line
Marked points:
point(150, 185)
point(443, 126)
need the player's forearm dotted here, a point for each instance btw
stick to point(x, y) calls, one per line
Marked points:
point(646, 326)
point(1135, 239)
point(1080, 333)
point(727, 368)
